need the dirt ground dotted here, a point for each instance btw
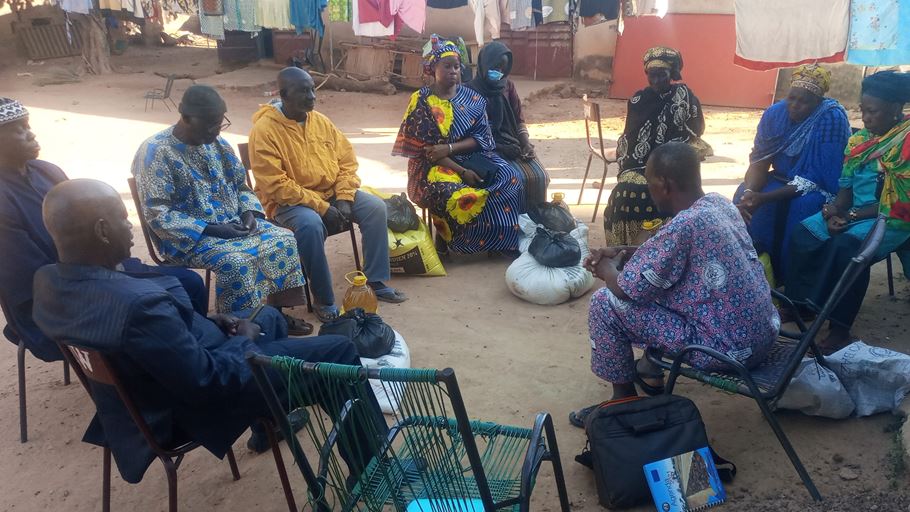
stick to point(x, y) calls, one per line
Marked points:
point(513, 359)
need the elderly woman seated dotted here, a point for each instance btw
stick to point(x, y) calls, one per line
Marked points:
point(875, 181)
point(795, 163)
point(697, 280)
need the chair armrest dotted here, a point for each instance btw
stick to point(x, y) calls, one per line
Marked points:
point(536, 454)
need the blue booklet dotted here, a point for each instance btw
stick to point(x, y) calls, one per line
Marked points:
point(685, 483)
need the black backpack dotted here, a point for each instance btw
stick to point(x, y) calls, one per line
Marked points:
point(623, 436)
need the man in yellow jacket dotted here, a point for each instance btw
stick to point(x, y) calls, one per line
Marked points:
point(306, 177)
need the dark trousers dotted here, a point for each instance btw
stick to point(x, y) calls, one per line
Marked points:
point(815, 268)
point(191, 281)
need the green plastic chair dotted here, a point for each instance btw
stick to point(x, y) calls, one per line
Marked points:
point(432, 458)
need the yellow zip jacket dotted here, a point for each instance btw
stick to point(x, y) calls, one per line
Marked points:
point(303, 165)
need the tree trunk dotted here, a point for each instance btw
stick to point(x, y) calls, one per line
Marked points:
point(95, 48)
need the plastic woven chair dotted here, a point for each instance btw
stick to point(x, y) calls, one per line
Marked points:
point(767, 382)
point(432, 459)
point(244, 151)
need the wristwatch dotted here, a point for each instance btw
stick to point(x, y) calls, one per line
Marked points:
point(852, 215)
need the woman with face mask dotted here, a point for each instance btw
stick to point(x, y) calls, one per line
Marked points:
point(494, 64)
point(663, 112)
point(474, 195)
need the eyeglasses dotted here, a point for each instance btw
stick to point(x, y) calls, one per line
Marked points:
point(225, 124)
point(221, 125)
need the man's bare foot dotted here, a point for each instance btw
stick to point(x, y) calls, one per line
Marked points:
point(838, 338)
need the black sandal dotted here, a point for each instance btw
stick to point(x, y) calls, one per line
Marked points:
point(648, 388)
point(298, 327)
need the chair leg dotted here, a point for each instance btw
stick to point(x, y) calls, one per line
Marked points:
point(170, 469)
point(23, 418)
point(557, 465)
point(168, 107)
point(208, 286)
point(600, 192)
point(106, 481)
point(788, 448)
point(306, 291)
point(890, 276)
point(584, 180)
point(172, 102)
point(232, 461)
point(66, 372)
point(279, 465)
point(356, 251)
point(146, 104)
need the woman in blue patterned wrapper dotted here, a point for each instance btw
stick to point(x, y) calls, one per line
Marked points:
point(474, 195)
point(795, 163)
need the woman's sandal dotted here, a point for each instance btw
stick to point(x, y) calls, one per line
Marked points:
point(640, 377)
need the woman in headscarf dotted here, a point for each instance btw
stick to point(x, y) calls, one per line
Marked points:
point(474, 195)
point(795, 163)
point(875, 181)
point(494, 63)
point(662, 112)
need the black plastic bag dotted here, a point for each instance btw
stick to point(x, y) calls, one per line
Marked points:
point(552, 217)
point(401, 214)
point(373, 337)
point(555, 249)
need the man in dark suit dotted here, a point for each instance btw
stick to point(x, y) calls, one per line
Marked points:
point(187, 373)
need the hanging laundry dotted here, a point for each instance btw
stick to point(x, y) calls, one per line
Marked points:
point(657, 8)
point(308, 14)
point(339, 10)
point(179, 6)
point(554, 10)
point(241, 15)
point(134, 8)
point(521, 15)
point(876, 35)
point(773, 34)
point(446, 4)
point(486, 12)
point(412, 13)
point(77, 6)
point(599, 10)
point(211, 24)
point(368, 29)
point(274, 14)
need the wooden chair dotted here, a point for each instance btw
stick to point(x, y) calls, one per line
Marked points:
point(20, 365)
point(767, 382)
point(147, 234)
point(162, 95)
point(92, 366)
point(244, 152)
point(596, 148)
point(432, 458)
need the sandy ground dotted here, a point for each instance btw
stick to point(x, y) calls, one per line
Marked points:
point(513, 359)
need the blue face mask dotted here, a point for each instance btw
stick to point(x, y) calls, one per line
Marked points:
point(494, 75)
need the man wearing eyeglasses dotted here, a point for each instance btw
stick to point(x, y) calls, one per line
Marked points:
point(202, 214)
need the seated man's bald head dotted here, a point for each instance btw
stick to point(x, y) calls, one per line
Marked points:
point(88, 223)
point(292, 75)
point(298, 93)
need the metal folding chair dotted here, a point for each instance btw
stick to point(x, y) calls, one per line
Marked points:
point(767, 382)
point(20, 366)
point(244, 152)
point(162, 95)
point(592, 116)
point(92, 366)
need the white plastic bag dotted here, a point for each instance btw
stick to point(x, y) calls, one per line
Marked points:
point(529, 280)
point(876, 378)
point(816, 391)
point(399, 357)
point(546, 286)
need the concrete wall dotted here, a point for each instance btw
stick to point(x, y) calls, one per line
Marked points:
point(447, 22)
point(701, 6)
point(594, 49)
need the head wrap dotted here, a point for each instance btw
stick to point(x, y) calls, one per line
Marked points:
point(437, 49)
point(812, 78)
point(490, 55)
point(202, 101)
point(889, 86)
point(11, 110)
point(666, 58)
